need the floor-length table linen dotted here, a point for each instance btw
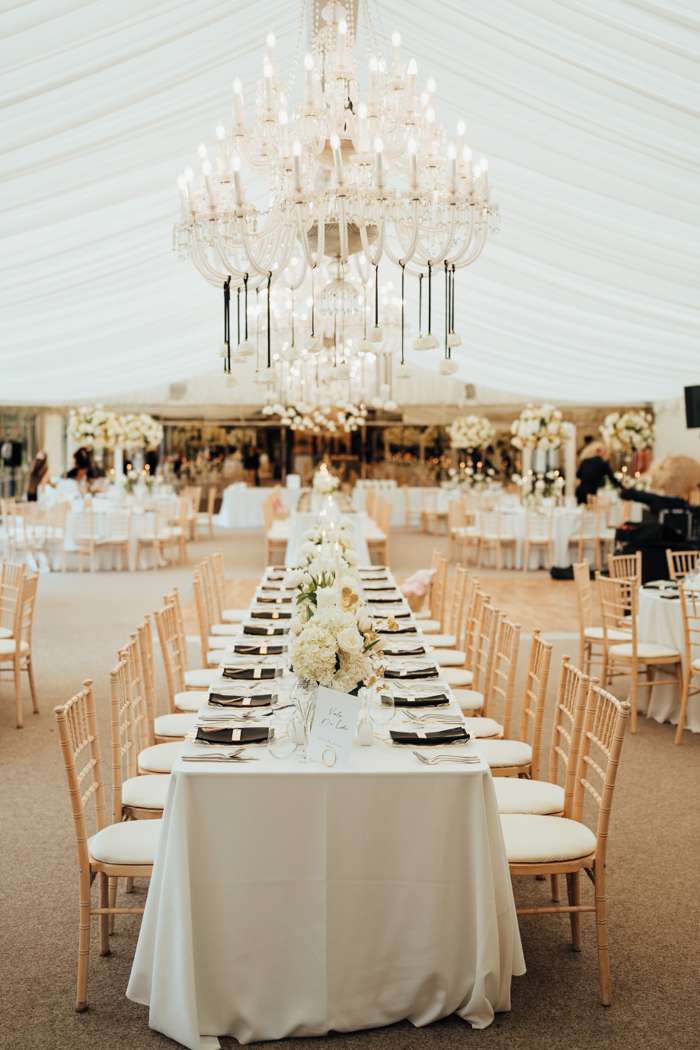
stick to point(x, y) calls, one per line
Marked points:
point(292, 900)
point(242, 506)
point(661, 621)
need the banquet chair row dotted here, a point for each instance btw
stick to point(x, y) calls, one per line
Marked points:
point(17, 600)
point(168, 533)
point(378, 544)
point(682, 563)
point(31, 530)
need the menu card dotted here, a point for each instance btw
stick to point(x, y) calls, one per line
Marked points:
point(333, 728)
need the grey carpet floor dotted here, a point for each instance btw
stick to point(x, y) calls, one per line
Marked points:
point(654, 859)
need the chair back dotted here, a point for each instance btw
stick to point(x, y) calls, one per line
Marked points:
point(503, 673)
point(473, 627)
point(370, 497)
point(218, 575)
point(429, 500)
point(385, 511)
point(77, 733)
point(690, 611)
point(11, 578)
point(169, 638)
point(569, 712)
point(269, 513)
point(148, 675)
point(681, 563)
point(203, 620)
point(174, 599)
point(119, 526)
point(589, 526)
point(485, 651)
point(490, 523)
point(582, 578)
point(211, 500)
point(135, 688)
point(193, 493)
point(124, 747)
point(454, 620)
point(24, 611)
point(626, 567)
point(438, 589)
point(84, 527)
point(538, 525)
point(534, 696)
point(618, 606)
point(601, 744)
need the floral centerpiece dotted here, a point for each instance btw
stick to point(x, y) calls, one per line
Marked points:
point(142, 431)
point(96, 427)
point(325, 483)
point(628, 432)
point(471, 432)
point(541, 428)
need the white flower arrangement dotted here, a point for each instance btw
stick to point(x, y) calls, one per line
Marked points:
point(541, 428)
point(142, 431)
point(95, 427)
point(471, 432)
point(628, 432)
point(325, 483)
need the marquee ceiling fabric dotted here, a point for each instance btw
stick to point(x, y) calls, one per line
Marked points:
point(586, 109)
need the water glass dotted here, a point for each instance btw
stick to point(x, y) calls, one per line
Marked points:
point(280, 742)
point(381, 708)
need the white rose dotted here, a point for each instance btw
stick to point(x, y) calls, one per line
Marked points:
point(350, 640)
point(295, 625)
point(326, 597)
point(364, 622)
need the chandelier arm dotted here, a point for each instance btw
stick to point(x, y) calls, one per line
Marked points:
point(221, 250)
point(294, 285)
point(204, 266)
point(343, 230)
point(372, 260)
point(442, 255)
point(260, 269)
point(304, 236)
point(476, 245)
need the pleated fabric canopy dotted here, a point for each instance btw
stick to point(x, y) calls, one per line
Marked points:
point(586, 109)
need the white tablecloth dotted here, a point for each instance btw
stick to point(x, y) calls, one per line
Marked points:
point(241, 507)
point(660, 620)
point(291, 900)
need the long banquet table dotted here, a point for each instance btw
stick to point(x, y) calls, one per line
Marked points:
point(289, 899)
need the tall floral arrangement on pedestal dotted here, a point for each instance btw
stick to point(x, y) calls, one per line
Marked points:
point(541, 428)
point(471, 432)
point(96, 427)
point(628, 432)
point(324, 483)
point(142, 431)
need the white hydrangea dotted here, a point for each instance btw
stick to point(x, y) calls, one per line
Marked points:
point(471, 432)
point(628, 432)
point(541, 428)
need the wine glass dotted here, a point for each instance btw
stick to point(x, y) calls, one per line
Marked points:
point(280, 741)
point(381, 708)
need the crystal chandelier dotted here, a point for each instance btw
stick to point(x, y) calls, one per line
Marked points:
point(367, 174)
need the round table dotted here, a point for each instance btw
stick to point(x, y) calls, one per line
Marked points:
point(661, 621)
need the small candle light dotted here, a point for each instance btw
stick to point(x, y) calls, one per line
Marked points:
point(424, 100)
point(431, 91)
point(285, 134)
point(223, 152)
point(238, 190)
point(430, 126)
point(182, 186)
point(362, 128)
point(379, 163)
point(269, 86)
point(271, 49)
point(238, 100)
point(337, 159)
point(211, 193)
point(189, 176)
point(412, 164)
point(372, 91)
point(467, 165)
point(296, 161)
point(396, 44)
point(411, 74)
point(342, 37)
point(451, 168)
point(461, 128)
point(309, 67)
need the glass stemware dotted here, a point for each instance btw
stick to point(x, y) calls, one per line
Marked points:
point(303, 696)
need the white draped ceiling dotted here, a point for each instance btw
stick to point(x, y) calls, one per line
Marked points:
point(586, 109)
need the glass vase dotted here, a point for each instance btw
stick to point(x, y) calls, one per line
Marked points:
point(303, 696)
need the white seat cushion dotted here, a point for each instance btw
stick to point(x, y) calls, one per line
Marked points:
point(431, 626)
point(422, 614)
point(483, 727)
point(449, 657)
point(234, 615)
point(217, 640)
point(200, 679)
point(215, 656)
point(506, 753)
point(595, 634)
point(645, 650)
point(190, 700)
point(457, 677)
point(469, 699)
point(133, 842)
point(533, 839)
point(160, 757)
point(5, 632)
point(528, 796)
point(442, 641)
point(224, 628)
point(8, 646)
point(696, 665)
point(149, 537)
point(147, 792)
point(173, 725)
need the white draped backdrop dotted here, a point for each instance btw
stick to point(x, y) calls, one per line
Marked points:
point(588, 113)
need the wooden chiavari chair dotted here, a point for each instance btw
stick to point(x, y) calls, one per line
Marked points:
point(682, 563)
point(477, 699)
point(50, 532)
point(134, 797)
point(163, 729)
point(275, 546)
point(538, 536)
point(690, 611)
point(84, 536)
point(518, 795)
point(626, 567)
point(414, 515)
point(512, 758)
point(587, 535)
point(212, 646)
point(162, 536)
point(379, 545)
point(17, 650)
point(205, 519)
point(491, 538)
point(591, 638)
point(371, 496)
point(121, 850)
point(232, 616)
point(195, 678)
point(118, 537)
point(152, 757)
point(193, 494)
point(434, 623)
point(618, 605)
point(502, 676)
point(11, 576)
point(180, 698)
point(430, 515)
point(463, 677)
point(454, 619)
point(462, 531)
point(546, 845)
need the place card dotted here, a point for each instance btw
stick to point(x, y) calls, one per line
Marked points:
point(333, 728)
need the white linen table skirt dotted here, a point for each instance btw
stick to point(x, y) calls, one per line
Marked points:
point(660, 620)
point(242, 507)
point(292, 900)
point(565, 521)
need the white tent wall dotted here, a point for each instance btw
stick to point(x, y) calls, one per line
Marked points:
point(672, 435)
point(588, 114)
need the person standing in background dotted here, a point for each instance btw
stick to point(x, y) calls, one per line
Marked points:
point(38, 477)
point(251, 463)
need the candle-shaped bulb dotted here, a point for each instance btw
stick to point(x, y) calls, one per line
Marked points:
point(431, 85)
point(342, 37)
point(236, 162)
point(378, 145)
point(430, 115)
point(308, 61)
point(379, 163)
point(467, 155)
point(267, 69)
point(373, 65)
point(396, 43)
point(337, 159)
point(296, 148)
point(189, 174)
point(206, 167)
point(412, 164)
point(282, 117)
point(424, 100)
point(269, 88)
point(362, 111)
point(220, 132)
point(270, 41)
point(202, 150)
point(189, 178)
point(238, 101)
point(396, 39)
point(335, 141)
point(296, 165)
point(182, 185)
point(237, 87)
point(412, 68)
point(451, 168)
point(309, 83)
point(461, 127)
point(451, 151)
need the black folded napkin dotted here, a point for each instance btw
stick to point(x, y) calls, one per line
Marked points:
point(374, 585)
point(232, 735)
point(432, 739)
point(399, 650)
point(433, 700)
point(377, 600)
point(271, 614)
point(251, 628)
point(271, 587)
point(403, 629)
point(258, 648)
point(241, 699)
point(388, 612)
point(424, 672)
point(266, 599)
point(249, 673)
